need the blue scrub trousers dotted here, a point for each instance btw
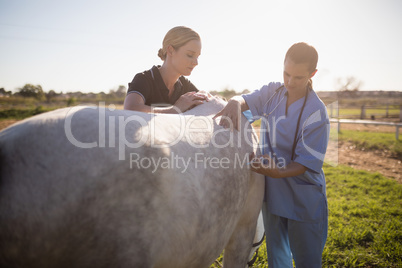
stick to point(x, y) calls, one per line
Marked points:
point(285, 238)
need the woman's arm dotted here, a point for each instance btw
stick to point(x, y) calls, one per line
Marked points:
point(231, 113)
point(187, 101)
point(135, 102)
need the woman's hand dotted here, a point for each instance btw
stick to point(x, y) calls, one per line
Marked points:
point(231, 113)
point(265, 165)
point(190, 100)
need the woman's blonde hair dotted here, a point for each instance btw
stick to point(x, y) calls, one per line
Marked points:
point(177, 37)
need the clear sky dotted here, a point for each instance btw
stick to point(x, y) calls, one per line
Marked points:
point(97, 45)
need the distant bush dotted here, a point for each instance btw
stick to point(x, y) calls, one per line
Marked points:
point(22, 113)
point(32, 91)
point(71, 101)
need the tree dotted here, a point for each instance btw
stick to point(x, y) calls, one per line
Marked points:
point(3, 92)
point(30, 90)
point(348, 87)
point(349, 83)
point(50, 95)
point(121, 91)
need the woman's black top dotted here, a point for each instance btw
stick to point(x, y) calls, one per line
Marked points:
point(150, 86)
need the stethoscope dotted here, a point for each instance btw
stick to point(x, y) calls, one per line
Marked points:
point(277, 91)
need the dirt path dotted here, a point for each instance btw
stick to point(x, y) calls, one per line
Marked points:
point(346, 154)
point(372, 161)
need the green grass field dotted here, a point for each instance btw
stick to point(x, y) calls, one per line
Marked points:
point(365, 220)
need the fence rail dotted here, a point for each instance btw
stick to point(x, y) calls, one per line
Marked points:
point(367, 122)
point(365, 111)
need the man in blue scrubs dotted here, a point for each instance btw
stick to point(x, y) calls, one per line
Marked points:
point(294, 138)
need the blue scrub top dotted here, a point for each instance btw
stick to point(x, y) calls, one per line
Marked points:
point(302, 197)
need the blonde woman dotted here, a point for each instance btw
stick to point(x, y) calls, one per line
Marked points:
point(164, 89)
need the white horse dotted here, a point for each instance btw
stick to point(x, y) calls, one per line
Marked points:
point(98, 187)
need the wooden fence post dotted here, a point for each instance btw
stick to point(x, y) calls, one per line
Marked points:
point(386, 113)
point(337, 110)
point(400, 113)
point(363, 112)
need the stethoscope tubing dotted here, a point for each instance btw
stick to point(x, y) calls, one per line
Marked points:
point(277, 91)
